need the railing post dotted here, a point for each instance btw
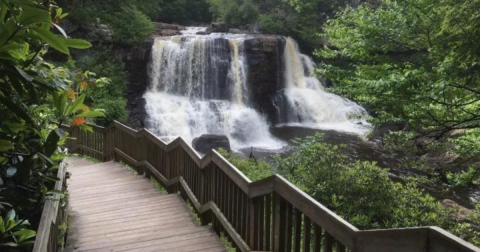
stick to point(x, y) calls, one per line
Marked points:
point(251, 224)
point(115, 140)
point(106, 145)
point(278, 224)
point(206, 217)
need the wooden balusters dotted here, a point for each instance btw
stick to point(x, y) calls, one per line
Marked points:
point(328, 245)
point(307, 231)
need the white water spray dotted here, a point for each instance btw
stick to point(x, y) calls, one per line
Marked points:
point(199, 86)
point(309, 104)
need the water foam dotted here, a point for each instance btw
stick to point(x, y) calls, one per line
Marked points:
point(199, 86)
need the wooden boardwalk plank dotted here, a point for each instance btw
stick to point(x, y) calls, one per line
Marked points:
point(112, 209)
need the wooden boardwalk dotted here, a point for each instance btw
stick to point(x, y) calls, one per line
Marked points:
point(111, 209)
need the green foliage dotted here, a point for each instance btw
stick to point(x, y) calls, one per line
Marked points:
point(108, 97)
point(130, 25)
point(236, 13)
point(468, 178)
point(413, 61)
point(158, 185)
point(228, 245)
point(15, 233)
point(360, 192)
point(253, 169)
point(184, 11)
point(194, 213)
point(36, 98)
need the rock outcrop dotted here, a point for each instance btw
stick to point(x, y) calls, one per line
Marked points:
point(136, 60)
point(97, 33)
point(164, 29)
point(219, 27)
point(264, 55)
point(206, 143)
point(265, 74)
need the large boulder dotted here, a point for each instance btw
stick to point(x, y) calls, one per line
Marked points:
point(219, 27)
point(97, 32)
point(164, 29)
point(166, 33)
point(206, 143)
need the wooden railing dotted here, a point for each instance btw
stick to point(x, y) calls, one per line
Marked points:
point(267, 215)
point(49, 234)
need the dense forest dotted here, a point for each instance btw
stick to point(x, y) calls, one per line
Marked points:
point(413, 64)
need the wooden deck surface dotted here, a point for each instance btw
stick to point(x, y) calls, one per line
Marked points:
point(111, 209)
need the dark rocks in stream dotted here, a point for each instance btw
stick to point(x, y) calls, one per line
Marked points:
point(164, 29)
point(219, 27)
point(206, 143)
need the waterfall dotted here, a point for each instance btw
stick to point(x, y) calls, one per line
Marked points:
point(199, 85)
point(309, 105)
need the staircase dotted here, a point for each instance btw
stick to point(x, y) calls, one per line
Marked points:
point(112, 209)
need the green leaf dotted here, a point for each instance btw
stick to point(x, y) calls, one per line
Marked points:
point(10, 215)
point(24, 234)
point(32, 15)
point(90, 114)
point(7, 31)
point(24, 74)
point(16, 109)
point(26, 4)
point(86, 128)
point(3, 11)
point(60, 29)
point(10, 47)
point(56, 192)
point(2, 226)
point(10, 244)
point(60, 101)
point(51, 144)
point(76, 105)
point(57, 42)
point(78, 43)
point(6, 145)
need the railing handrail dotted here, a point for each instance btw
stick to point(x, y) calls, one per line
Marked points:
point(51, 210)
point(416, 239)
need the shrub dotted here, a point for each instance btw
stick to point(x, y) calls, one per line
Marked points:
point(36, 98)
point(253, 169)
point(360, 192)
point(130, 25)
point(109, 97)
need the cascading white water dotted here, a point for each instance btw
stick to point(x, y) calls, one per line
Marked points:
point(199, 86)
point(309, 104)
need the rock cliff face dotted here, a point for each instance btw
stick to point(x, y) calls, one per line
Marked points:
point(264, 56)
point(264, 61)
point(136, 60)
point(164, 29)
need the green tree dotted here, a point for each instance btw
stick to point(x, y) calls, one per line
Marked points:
point(130, 25)
point(36, 98)
point(411, 61)
point(111, 96)
point(236, 13)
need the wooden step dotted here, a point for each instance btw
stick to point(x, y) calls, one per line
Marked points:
point(112, 209)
